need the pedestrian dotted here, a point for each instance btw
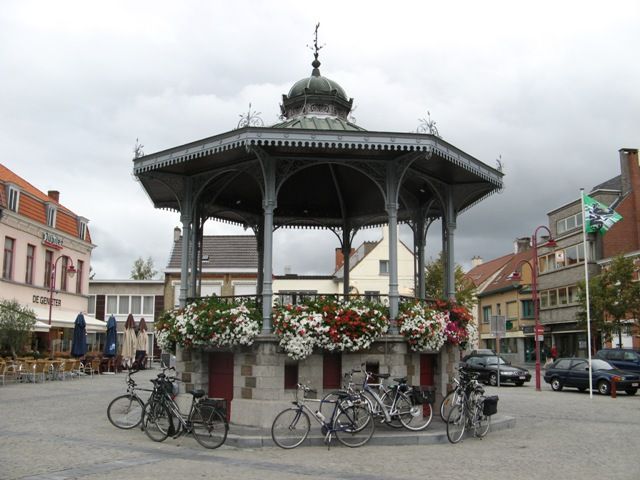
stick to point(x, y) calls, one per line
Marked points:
point(554, 352)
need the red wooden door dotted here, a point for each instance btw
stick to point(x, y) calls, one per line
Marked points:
point(427, 373)
point(332, 371)
point(221, 377)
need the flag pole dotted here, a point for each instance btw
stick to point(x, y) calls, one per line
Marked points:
point(586, 288)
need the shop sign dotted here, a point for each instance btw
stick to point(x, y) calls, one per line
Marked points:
point(40, 300)
point(52, 240)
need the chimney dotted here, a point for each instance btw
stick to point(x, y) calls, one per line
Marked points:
point(176, 234)
point(628, 166)
point(54, 195)
point(522, 244)
point(476, 261)
point(287, 269)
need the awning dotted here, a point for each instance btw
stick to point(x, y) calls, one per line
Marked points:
point(40, 327)
point(61, 318)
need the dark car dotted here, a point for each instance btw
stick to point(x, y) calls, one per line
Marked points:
point(488, 366)
point(574, 372)
point(622, 358)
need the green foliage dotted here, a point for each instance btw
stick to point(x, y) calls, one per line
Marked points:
point(614, 298)
point(143, 269)
point(434, 283)
point(16, 323)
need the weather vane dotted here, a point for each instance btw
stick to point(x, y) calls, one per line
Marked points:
point(137, 150)
point(250, 119)
point(499, 163)
point(316, 48)
point(428, 126)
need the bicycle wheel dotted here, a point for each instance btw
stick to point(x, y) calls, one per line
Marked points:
point(125, 411)
point(290, 428)
point(456, 423)
point(387, 400)
point(414, 417)
point(447, 402)
point(157, 421)
point(482, 422)
point(209, 427)
point(354, 425)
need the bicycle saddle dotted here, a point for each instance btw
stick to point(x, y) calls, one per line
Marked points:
point(197, 393)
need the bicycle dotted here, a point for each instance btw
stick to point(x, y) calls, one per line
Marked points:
point(472, 410)
point(399, 405)
point(452, 397)
point(204, 421)
point(350, 421)
point(125, 411)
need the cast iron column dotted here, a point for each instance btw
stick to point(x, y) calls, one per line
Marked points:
point(268, 205)
point(392, 211)
point(186, 219)
point(450, 287)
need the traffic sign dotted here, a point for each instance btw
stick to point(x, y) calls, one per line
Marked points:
point(539, 329)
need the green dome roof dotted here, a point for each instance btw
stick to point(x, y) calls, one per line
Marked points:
point(316, 95)
point(317, 85)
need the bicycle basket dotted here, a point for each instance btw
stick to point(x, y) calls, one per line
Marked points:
point(422, 395)
point(219, 404)
point(490, 405)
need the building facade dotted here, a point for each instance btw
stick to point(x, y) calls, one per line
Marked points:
point(46, 262)
point(144, 299)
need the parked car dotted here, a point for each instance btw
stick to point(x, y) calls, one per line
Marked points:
point(486, 366)
point(574, 372)
point(622, 358)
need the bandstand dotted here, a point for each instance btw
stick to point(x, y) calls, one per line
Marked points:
point(315, 169)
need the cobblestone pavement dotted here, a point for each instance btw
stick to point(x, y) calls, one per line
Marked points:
point(59, 430)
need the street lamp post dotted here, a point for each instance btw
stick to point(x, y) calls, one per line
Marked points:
point(537, 329)
point(71, 271)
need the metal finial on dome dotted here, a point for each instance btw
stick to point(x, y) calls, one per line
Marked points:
point(316, 51)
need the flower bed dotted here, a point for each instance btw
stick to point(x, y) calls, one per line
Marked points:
point(430, 326)
point(210, 322)
point(328, 324)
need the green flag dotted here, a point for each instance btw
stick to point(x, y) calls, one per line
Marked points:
point(597, 216)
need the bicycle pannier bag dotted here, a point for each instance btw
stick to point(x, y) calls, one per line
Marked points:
point(490, 405)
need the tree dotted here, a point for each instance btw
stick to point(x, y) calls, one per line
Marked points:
point(143, 269)
point(434, 283)
point(614, 299)
point(16, 324)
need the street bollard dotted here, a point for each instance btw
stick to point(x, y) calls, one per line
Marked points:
point(614, 389)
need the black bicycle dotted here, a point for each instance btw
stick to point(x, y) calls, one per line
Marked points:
point(162, 416)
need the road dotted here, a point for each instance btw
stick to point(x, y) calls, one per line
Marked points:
point(59, 430)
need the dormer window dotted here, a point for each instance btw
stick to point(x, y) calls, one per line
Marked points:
point(51, 215)
point(14, 198)
point(82, 228)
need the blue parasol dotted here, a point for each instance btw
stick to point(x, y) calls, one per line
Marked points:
point(79, 343)
point(111, 344)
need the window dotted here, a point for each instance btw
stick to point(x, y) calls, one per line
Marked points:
point(91, 308)
point(486, 314)
point(64, 265)
point(112, 304)
point(372, 295)
point(498, 309)
point(561, 258)
point(512, 310)
point(28, 272)
point(14, 198)
point(123, 305)
point(51, 215)
point(147, 304)
point(569, 223)
point(79, 275)
point(82, 228)
point(384, 267)
point(7, 263)
point(291, 375)
point(48, 266)
point(563, 364)
point(136, 304)
point(527, 308)
point(553, 298)
point(559, 296)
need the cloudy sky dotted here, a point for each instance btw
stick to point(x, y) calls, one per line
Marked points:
point(551, 88)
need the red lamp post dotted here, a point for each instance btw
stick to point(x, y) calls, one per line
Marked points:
point(537, 329)
point(71, 271)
